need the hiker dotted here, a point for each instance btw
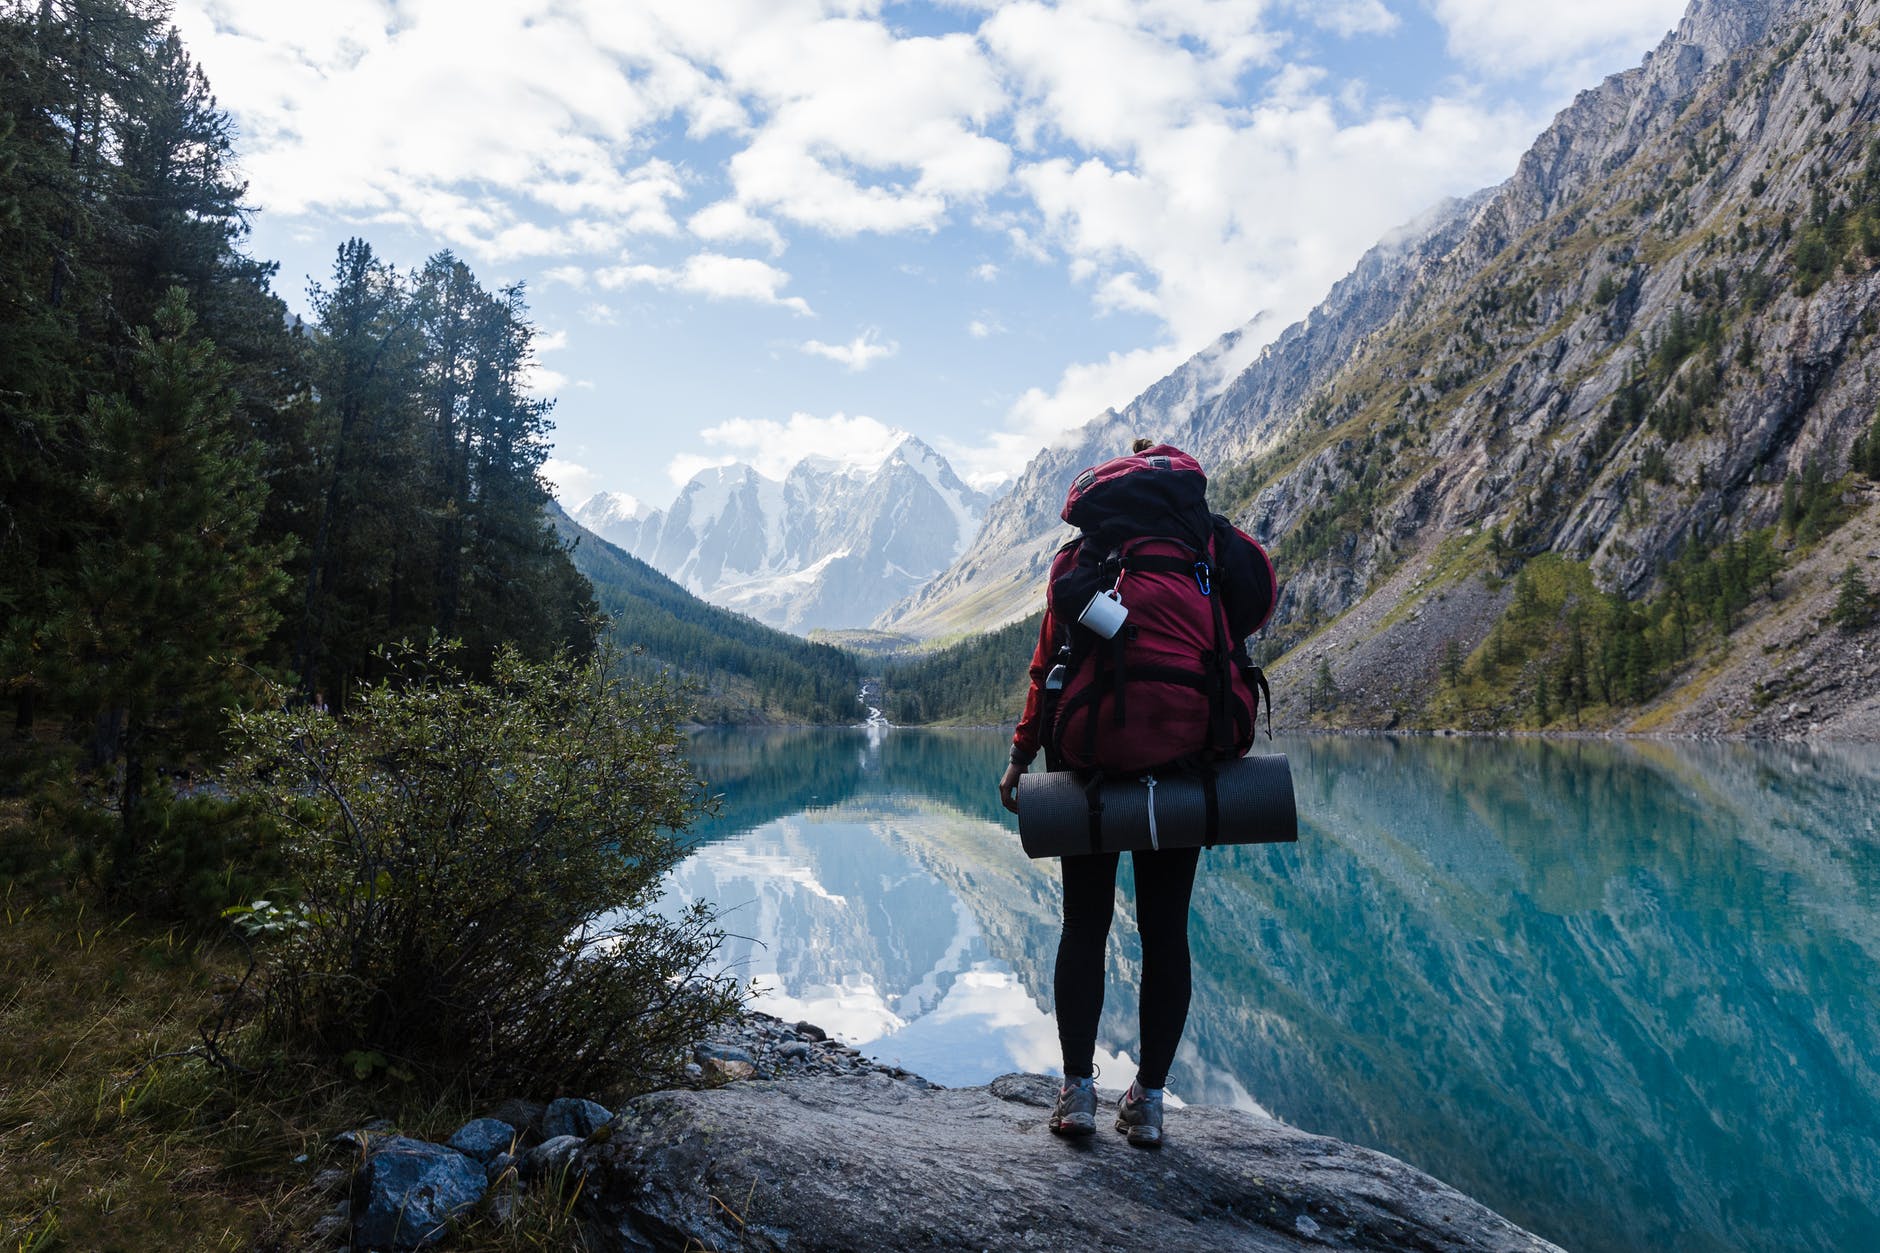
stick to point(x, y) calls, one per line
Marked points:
point(1140, 664)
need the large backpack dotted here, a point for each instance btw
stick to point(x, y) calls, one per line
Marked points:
point(1174, 686)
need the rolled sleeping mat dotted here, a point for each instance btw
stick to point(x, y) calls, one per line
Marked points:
point(1255, 796)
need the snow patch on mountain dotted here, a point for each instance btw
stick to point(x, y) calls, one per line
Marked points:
point(831, 544)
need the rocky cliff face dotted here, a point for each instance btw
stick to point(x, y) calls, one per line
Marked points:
point(1222, 411)
point(828, 546)
point(1631, 352)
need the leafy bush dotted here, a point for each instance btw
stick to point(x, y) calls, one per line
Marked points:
point(476, 868)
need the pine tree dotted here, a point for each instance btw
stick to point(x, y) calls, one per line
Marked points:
point(1324, 687)
point(367, 512)
point(170, 587)
point(1854, 604)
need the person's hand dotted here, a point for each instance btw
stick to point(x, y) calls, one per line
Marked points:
point(1008, 786)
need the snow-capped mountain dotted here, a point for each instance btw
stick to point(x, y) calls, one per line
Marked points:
point(608, 514)
point(829, 545)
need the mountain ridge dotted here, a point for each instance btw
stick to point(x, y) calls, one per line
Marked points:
point(1644, 357)
point(826, 546)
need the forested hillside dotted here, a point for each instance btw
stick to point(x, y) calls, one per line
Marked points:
point(197, 491)
point(743, 670)
point(978, 681)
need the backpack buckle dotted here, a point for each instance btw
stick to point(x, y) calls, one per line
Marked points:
point(1204, 578)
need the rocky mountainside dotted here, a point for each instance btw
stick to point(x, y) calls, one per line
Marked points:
point(1553, 459)
point(827, 546)
point(1220, 410)
point(741, 671)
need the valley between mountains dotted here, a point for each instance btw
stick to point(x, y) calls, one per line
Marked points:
point(1593, 450)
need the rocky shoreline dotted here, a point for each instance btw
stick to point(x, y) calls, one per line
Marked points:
point(781, 1138)
point(760, 1046)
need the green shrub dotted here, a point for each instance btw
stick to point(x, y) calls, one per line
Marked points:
point(476, 868)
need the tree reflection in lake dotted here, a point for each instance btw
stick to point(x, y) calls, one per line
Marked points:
point(1623, 993)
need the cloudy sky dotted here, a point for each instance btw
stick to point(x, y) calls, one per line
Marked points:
point(756, 229)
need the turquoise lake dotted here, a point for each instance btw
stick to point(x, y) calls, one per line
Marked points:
point(1628, 994)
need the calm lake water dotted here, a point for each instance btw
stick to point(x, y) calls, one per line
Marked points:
point(1626, 994)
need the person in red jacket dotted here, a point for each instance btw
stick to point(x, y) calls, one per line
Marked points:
point(1164, 877)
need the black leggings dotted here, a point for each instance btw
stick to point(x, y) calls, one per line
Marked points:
point(1164, 882)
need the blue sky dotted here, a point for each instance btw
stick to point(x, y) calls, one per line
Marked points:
point(758, 230)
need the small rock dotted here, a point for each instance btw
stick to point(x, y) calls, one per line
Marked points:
point(524, 1116)
point(729, 1070)
point(572, 1116)
point(332, 1182)
point(694, 1071)
point(408, 1191)
point(483, 1138)
point(502, 1211)
point(550, 1157)
point(500, 1165)
point(810, 1031)
point(799, 1051)
point(708, 1052)
point(331, 1229)
point(357, 1138)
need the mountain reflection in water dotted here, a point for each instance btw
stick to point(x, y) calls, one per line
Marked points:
point(1623, 993)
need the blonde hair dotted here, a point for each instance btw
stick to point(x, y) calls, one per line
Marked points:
point(1141, 444)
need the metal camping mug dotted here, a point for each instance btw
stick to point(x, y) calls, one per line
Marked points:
point(1105, 613)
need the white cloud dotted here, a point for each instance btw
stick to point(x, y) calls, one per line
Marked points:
point(570, 481)
point(1221, 216)
point(728, 222)
point(713, 275)
point(773, 447)
point(1179, 158)
point(1517, 36)
point(507, 132)
point(1123, 292)
point(858, 354)
point(1350, 17)
point(600, 313)
point(541, 381)
point(1110, 78)
point(864, 130)
point(1041, 417)
point(550, 341)
point(684, 467)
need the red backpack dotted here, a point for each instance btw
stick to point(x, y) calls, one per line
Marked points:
point(1173, 686)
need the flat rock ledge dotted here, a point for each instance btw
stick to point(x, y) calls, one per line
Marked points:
point(865, 1162)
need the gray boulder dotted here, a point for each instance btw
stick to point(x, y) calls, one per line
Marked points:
point(571, 1116)
point(863, 1162)
point(550, 1158)
point(483, 1138)
point(408, 1191)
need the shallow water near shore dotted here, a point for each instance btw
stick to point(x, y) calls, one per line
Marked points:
point(1627, 994)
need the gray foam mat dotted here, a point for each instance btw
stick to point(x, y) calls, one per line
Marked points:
point(1256, 807)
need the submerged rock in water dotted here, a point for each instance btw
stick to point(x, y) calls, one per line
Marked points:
point(864, 1162)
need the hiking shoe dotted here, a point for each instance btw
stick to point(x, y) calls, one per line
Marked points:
point(1139, 1116)
point(1076, 1112)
